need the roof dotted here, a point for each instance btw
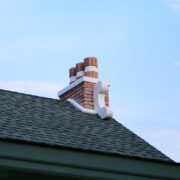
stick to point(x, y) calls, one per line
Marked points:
point(53, 122)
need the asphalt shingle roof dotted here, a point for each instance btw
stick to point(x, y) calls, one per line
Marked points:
point(57, 123)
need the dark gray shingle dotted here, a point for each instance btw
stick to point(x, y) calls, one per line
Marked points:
point(57, 123)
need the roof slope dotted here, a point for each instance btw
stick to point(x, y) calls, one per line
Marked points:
point(57, 123)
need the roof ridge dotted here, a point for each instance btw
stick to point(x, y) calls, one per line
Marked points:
point(32, 95)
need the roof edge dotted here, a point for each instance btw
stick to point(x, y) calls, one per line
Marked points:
point(82, 164)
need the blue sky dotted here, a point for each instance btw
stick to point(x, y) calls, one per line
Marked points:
point(137, 44)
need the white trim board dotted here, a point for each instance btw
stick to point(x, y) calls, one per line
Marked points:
point(91, 68)
point(78, 106)
point(75, 83)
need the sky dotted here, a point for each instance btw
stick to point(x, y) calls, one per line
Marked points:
point(137, 44)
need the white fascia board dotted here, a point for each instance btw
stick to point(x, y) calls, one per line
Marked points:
point(78, 106)
point(75, 83)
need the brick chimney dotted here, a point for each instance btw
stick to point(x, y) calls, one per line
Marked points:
point(85, 92)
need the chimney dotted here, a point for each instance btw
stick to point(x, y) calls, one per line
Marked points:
point(85, 92)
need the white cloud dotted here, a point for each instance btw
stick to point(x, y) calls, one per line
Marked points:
point(174, 4)
point(31, 87)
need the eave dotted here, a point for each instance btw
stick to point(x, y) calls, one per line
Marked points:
point(60, 162)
